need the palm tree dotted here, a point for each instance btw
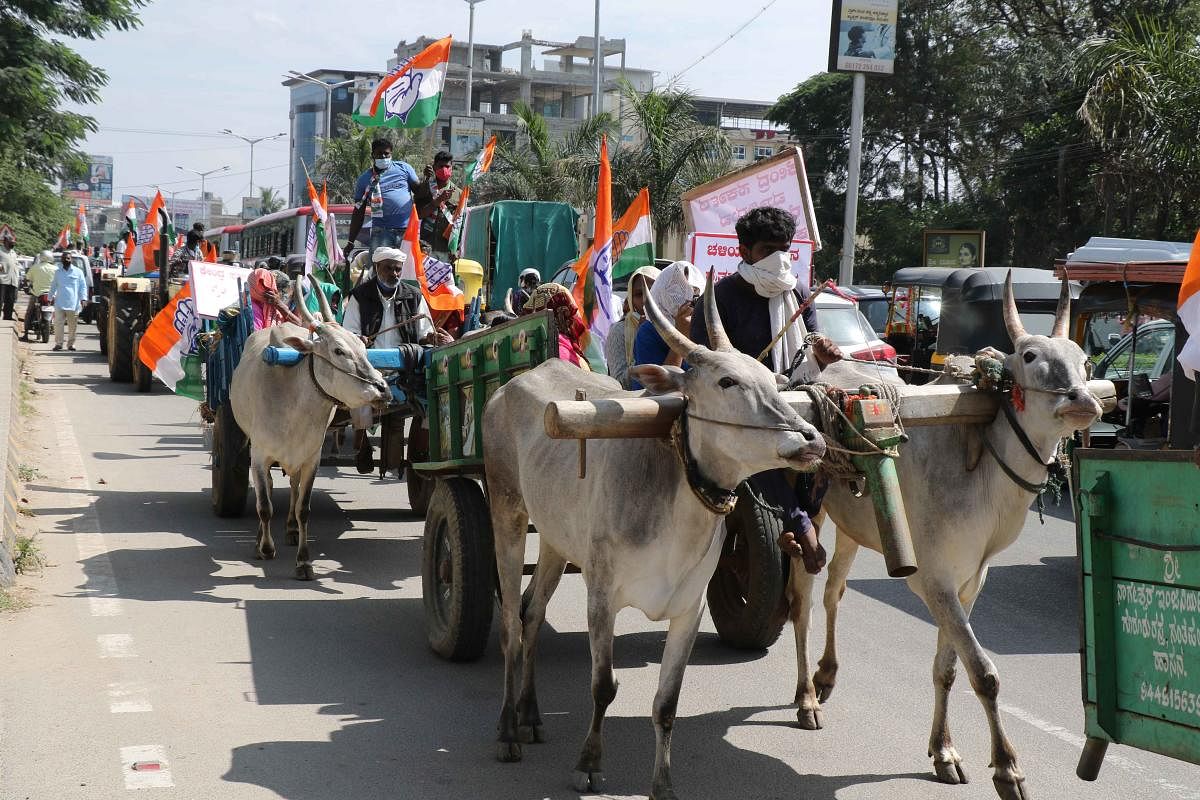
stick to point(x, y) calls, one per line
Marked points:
point(343, 159)
point(269, 199)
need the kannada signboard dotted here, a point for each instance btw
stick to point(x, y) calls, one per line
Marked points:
point(216, 286)
point(778, 181)
point(719, 252)
point(466, 137)
point(862, 36)
point(953, 249)
point(94, 183)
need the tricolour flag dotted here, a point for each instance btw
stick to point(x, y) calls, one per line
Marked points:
point(82, 234)
point(64, 239)
point(410, 96)
point(139, 259)
point(435, 277)
point(168, 346)
point(633, 237)
point(1188, 310)
point(481, 164)
point(593, 284)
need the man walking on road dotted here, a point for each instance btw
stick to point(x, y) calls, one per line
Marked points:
point(387, 188)
point(9, 275)
point(68, 292)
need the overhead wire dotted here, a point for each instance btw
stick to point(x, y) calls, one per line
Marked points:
point(724, 42)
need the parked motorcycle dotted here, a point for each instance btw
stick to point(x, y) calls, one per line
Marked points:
point(41, 321)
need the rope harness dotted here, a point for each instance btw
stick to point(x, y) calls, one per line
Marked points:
point(312, 371)
point(716, 499)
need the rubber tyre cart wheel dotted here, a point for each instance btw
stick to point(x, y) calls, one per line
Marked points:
point(458, 570)
point(747, 593)
point(143, 378)
point(230, 465)
point(44, 333)
point(124, 321)
point(102, 325)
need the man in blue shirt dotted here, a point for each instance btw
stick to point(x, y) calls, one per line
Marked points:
point(387, 187)
point(68, 292)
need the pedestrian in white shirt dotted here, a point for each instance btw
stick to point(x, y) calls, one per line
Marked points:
point(68, 292)
point(9, 275)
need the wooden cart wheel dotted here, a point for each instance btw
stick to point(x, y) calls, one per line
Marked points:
point(230, 465)
point(457, 570)
point(747, 594)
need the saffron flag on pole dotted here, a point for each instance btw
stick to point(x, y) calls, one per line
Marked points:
point(435, 277)
point(82, 234)
point(633, 237)
point(593, 284)
point(64, 238)
point(481, 164)
point(1188, 310)
point(410, 96)
point(168, 347)
point(139, 258)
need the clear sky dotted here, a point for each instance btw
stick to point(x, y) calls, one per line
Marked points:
point(196, 68)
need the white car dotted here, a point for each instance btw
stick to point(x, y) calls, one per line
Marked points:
point(842, 322)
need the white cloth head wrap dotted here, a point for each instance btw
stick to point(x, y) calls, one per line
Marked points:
point(388, 254)
point(773, 279)
point(676, 285)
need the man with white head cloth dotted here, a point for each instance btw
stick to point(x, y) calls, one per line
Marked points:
point(381, 309)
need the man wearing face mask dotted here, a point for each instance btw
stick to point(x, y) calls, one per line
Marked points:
point(436, 200)
point(375, 310)
point(387, 188)
point(755, 303)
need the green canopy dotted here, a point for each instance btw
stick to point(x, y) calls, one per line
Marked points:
point(516, 234)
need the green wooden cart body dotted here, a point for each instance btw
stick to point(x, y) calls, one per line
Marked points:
point(462, 376)
point(1138, 523)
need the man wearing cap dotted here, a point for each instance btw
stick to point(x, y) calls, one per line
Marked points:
point(376, 309)
point(527, 281)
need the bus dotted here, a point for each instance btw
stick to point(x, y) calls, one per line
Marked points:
point(280, 233)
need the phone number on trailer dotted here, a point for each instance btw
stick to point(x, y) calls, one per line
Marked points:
point(1175, 699)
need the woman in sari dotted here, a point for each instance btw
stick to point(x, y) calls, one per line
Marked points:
point(555, 297)
point(618, 347)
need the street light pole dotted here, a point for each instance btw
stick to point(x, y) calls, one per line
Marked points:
point(252, 142)
point(599, 64)
point(203, 177)
point(471, 52)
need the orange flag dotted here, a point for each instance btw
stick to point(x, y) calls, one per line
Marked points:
point(438, 284)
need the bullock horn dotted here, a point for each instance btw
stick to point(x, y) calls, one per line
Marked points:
point(1012, 321)
point(1062, 316)
point(680, 344)
point(323, 302)
point(305, 315)
point(717, 339)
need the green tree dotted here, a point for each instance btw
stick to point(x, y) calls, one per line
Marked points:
point(270, 199)
point(344, 158)
point(40, 73)
point(28, 204)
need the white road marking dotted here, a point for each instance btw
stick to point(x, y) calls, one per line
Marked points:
point(128, 698)
point(147, 757)
point(116, 645)
point(1075, 740)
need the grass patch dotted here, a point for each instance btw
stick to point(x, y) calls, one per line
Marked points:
point(28, 474)
point(13, 600)
point(28, 557)
point(25, 395)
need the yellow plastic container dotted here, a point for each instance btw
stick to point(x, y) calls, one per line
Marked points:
point(470, 277)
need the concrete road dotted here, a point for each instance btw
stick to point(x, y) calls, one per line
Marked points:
point(155, 638)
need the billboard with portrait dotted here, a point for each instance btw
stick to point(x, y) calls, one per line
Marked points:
point(95, 182)
point(862, 36)
point(953, 249)
point(466, 137)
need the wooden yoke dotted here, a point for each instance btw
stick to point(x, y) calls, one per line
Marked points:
point(651, 417)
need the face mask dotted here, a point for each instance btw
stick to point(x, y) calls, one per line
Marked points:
point(383, 163)
point(779, 262)
point(442, 174)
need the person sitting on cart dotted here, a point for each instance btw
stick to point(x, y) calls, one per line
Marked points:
point(618, 347)
point(527, 281)
point(674, 291)
point(386, 313)
point(756, 303)
point(386, 188)
point(295, 275)
point(571, 328)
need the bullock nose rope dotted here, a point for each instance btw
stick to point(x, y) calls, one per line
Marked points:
point(312, 371)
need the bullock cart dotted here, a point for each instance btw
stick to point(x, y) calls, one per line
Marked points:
point(747, 593)
point(1136, 509)
point(230, 448)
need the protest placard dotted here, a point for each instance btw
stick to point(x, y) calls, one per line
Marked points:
point(779, 181)
point(215, 286)
point(719, 252)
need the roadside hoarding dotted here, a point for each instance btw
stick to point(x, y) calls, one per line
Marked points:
point(953, 249)
point(95, 182)
point(719, 252)
point(466, 137)
point(862, 36)
point(215, 286)
point(780, 181)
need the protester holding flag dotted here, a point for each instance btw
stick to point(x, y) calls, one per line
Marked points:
point(386, 188)
point(68, 292)
point(434, 200)
point(9, 274)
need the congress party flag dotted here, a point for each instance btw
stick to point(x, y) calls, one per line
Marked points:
point(593, 285)
point(1188, 310)
point(82, 234)
point(435, 277)
point(139, 259)
point(633, 237)
point(168, 346)
point(410, 96)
